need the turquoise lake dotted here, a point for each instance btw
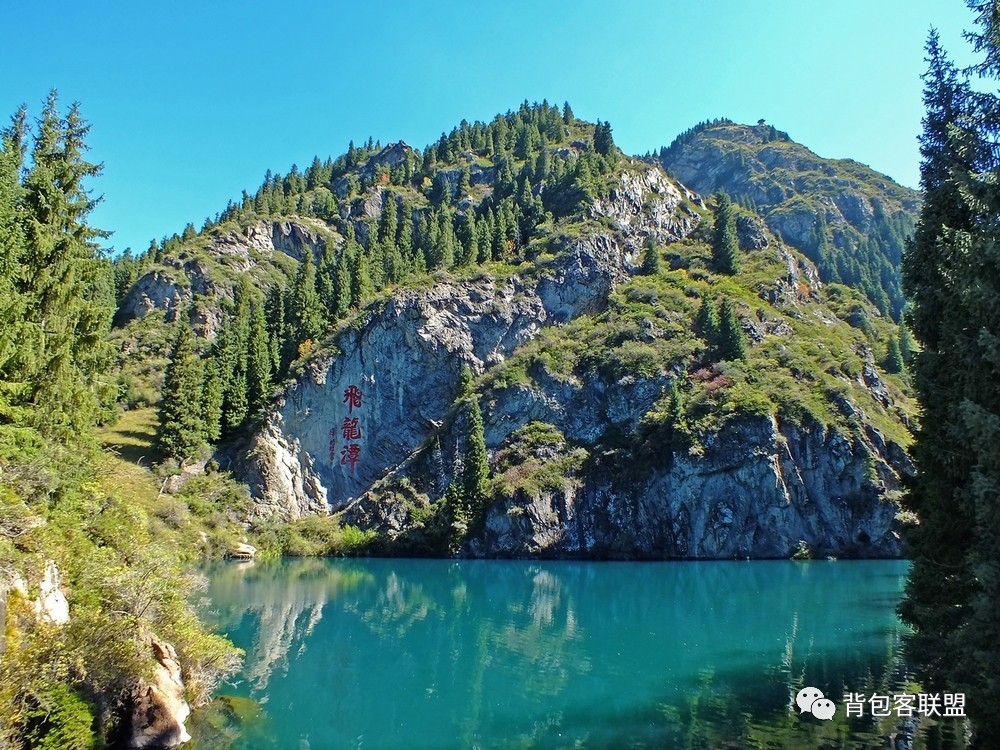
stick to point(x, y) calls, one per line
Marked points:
point(436, 654)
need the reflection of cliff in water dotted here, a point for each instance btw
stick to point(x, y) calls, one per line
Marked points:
point(444, 653)
point(280, 603)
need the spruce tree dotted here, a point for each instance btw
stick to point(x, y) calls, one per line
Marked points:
point(362, 288)
point(258, 363)
point(732, 342)
point(949, 273)
point(725, 245)
point(603, 142)
point(212, 398)
point(306, 311)
point(707, 322)
point(476, 474)
point(893, 357)
point(62, 280)
point(651, 258)
point(232, 344)
point(342, 299)
point(15, 358)
point(182, 429)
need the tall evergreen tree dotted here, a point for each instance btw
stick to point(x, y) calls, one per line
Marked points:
point(893, 357)
point(476, 474)
point(307, 317)
point(951, 271)
point(213, 393)
point(64, 284)
point(258, 362)
point(232, 356)
point(603, 142)
point(182, 429)
point(732, 341)
point(707, 322)
point(651, 258)
point(725, 245)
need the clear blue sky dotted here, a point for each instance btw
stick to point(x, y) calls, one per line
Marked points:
point(191, 101)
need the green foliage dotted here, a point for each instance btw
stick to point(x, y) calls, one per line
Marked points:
point(725, 246)
point(893, 357)
point(182, 429)
point(950, 273)
point(61, 720)
point(707, 322)
point(732, 342)
point(56, 290)
point(476, 475)
point(56, 297)
point(651, 262)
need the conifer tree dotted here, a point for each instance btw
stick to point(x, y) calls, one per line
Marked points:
point(362, 288)
point(603, 142)
point(342, 299)
point(948, 263)
point(651, 258)
point(725, 245)
point(307, 317)
point(232, 343)
point(732, 342)
point(182, 429)
point(476, 474)
point(212, 397)
point(63, 282)
point(893, 357)
point(469, 239)
point(258, 362)
point(707, 322)
point(15, 364)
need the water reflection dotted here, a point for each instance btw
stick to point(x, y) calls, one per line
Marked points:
point(446, 654)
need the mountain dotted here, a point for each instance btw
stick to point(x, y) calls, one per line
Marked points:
point(519, 342)
point(849, 220)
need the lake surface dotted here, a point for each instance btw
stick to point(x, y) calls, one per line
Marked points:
point(438, 654)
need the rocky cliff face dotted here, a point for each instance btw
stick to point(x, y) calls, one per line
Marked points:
point(756, 485)
point(404, 358)
point(761, 489)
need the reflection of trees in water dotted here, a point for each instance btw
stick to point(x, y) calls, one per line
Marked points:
point(552, 654)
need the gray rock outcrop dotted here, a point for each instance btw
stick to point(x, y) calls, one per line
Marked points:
point(405, 358)
point(759, 489)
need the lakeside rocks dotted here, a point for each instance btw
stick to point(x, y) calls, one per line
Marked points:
point(159, 708)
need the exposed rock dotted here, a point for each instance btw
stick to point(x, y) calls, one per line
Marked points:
point(755, 487)
point(648, 203)
point(390, 156)
point(242, 551)
point(405, 358)
point(159, 708)
point(752, 234)
point(51, 605)
point(759, 489)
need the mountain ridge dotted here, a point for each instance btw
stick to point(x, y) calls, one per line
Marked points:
point(554, 211)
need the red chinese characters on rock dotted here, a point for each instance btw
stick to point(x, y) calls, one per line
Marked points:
point(350, 430)
point(352, 397)
point(350, 454)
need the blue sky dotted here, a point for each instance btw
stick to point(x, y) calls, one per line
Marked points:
point(191, 102)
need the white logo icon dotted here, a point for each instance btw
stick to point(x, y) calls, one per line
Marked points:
point(811, 699)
